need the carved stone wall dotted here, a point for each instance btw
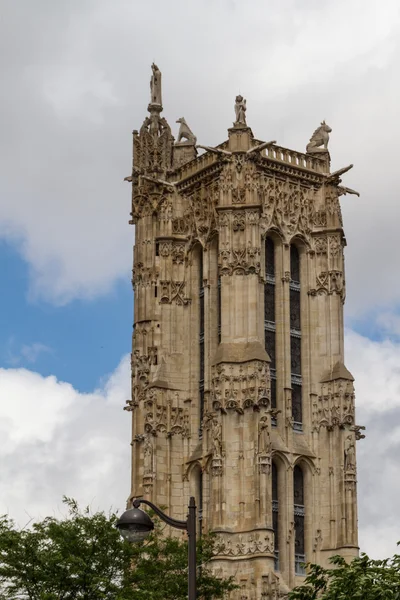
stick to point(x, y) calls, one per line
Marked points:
point(208, 399)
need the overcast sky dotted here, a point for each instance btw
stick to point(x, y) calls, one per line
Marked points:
point(75, 82)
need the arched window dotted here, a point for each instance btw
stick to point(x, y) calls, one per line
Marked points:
point(201, 340)
point(269, 314)
point(295, 339)
point(299, 512)
point(275, 514)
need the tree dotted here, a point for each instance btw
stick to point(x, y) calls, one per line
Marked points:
point(83, 557)
point(361, 579)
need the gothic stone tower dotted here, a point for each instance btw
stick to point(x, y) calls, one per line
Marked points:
point(240, 395)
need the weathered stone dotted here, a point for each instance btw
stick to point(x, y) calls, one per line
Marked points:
point(238, 371)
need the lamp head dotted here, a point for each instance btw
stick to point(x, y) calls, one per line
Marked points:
point(134, 525)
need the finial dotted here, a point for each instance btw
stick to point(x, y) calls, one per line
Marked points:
point(155, 88)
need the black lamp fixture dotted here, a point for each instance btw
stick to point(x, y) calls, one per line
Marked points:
point(135, 525)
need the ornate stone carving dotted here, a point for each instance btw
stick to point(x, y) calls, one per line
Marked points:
point(264, 445)
point(357, 431)
point(350, 454)
point(287, 206)
point(145, 204)
point(148, 453)
point(242, 260)
point(335, 246)
point(319, 138)
point(270, 587)
point(245, 544)
point(239, 221)
point(178, 253)
point(320, 245)
point(335, 406)
point(333, 205)
point(329, 282)
point(264, 436)
point(240, 386)
point(216, 434)
point(173, 292)
point(180, 225)
point(240, 110)
point(185, 132)
point(238, 195)
point(143, 276)
point(203, 211)
point(155, 85)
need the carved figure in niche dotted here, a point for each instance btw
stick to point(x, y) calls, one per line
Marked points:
point(155, 85)
point(240, 110)
point(185, 132)
point(349, 454)
point(319, 138)
point(148, 456)
point(217, 438)
point(264, 437)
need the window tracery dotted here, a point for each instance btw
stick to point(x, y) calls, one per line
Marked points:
point(269, 314)
point(295, 338)
point(201, 339)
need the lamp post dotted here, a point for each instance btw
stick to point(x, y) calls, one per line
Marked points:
point(135, 525)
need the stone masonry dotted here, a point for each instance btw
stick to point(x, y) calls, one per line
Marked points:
point(240, 394)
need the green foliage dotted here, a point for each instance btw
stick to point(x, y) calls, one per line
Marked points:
point(361, 579)
point(83, 557)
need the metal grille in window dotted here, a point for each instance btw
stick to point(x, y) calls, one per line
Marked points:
point(270, 346)
point(201, 311)
point(269, 258)
point(295, 310)
point(294, 264)
point(269, 302)
point(275, 515)
point(273, 397)
point(274, 485)
point(298, 487)
point(295, 354)
point(202, 362)
point(201, 395)
point(298, 498)
point(219, 309)
point(297, 408)
point(299, 560)
point(201, 344)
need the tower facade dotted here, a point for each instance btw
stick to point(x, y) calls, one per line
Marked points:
point(240, 394)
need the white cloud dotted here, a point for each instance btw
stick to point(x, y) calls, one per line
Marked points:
point(56, 440)
point(15, 353)
point(77, 84)
point(376, 368)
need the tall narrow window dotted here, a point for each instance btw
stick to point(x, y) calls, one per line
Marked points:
point(295, 339)
point(269, 314)
point(219, 309)
point(275, 514)
point(299, 512)
point(201, 342)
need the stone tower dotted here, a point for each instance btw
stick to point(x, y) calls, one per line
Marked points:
point(240, 394)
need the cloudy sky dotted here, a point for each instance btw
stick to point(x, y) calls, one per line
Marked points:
point(75, 81)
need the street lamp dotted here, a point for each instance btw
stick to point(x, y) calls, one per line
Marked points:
point(135, 525)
